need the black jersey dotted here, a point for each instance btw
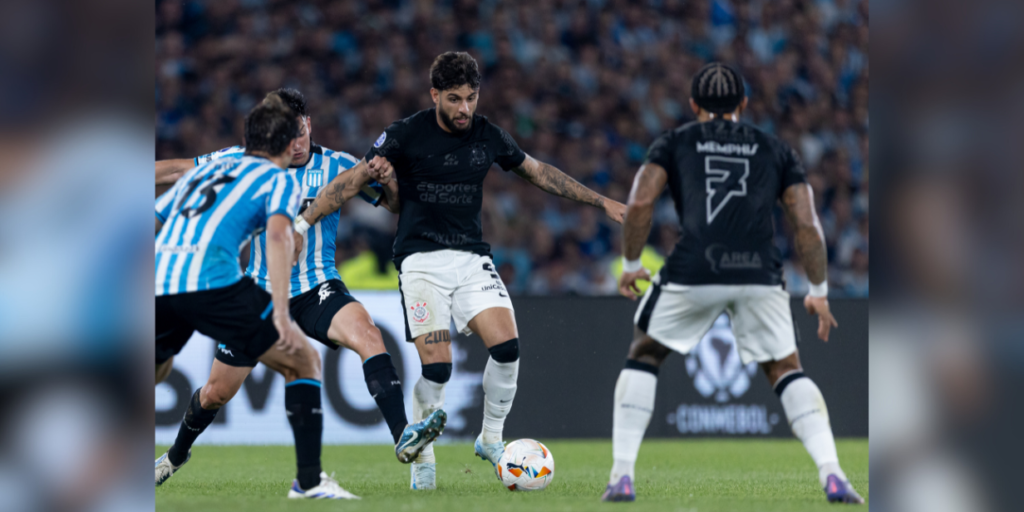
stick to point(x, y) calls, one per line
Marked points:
point(725, 178)
point(440, 180)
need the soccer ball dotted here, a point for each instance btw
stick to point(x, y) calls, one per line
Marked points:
point(526, 465)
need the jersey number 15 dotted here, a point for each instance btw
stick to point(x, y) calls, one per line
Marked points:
point(208, 190)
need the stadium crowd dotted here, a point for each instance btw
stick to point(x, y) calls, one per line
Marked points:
point(584, 85)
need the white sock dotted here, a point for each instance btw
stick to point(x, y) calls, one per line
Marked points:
point(428, 396)
point(499, 391)
point(808, 417)
point(634, 403)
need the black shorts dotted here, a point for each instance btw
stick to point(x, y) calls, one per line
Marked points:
point(237, 316)
point(312, 311)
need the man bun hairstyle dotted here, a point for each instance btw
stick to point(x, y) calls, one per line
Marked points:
point(718, 88)
point(451, 70)
point(270, 127)
point(292, 98)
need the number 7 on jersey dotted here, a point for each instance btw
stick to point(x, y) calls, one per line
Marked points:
point(726, 179)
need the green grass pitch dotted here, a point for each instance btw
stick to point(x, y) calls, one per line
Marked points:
point(695, 475)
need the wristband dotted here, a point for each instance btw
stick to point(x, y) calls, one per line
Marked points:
point(818, 290)
point(631, 265)
point(301, 226)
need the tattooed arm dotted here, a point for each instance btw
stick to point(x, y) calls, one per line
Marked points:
point(808, 239)
point(553, 181)
point(798, 203)
point(647, 186)
point(343, 187)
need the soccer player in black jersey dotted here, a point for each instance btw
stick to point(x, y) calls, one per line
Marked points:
point(724, 177)
point(324, 310)
point(441, 157)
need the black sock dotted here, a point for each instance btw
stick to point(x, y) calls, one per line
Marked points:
point(195, 422)
point(386, 389)
point(302, 403)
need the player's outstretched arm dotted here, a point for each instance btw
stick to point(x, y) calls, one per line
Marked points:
point(647, 186)
point(798, 203)
point(280, 255)
point(343, 187)
point(553, 181)
point(169, 171)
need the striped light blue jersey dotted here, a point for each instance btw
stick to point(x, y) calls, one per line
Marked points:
point(317, 263)
point(210, 213)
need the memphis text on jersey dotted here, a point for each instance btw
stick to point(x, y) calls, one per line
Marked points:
point(727, 149)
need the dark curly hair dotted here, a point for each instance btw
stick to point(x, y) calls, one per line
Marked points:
point(292, 98)
point(451, 70)
point(270, 127)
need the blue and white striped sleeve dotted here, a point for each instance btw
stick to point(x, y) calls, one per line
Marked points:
point(233, 151)
point(163, 204)
point(284, 196)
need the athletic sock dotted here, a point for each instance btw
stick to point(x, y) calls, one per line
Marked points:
point(194, 423)
point(499, 383)
point(386, 388)
point(302, 404)
point(634, 403)
point(808, 417)
point(428, 396)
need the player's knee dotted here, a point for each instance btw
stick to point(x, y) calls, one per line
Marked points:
point(308, 365)
point(369, 342)
point(304, 364)
point(434, 347)
point(363, 338)
point(214, 396)
point(776, 370)
point(648, 351)
point(507, 352)
point(163, 370)
point(437, 372)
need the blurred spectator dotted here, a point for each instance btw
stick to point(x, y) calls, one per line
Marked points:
point(855, 279)
point(585, 85)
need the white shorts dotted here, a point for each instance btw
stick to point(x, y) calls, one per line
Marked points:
point(678, 316)
point(440, 286)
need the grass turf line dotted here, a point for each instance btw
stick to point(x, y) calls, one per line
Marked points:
point(694, 475)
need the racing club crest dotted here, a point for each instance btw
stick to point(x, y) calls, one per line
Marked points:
point(419, 312)
point(314, 178)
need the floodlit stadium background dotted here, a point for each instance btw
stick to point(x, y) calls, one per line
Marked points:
point(73, 68)
point(583, 85)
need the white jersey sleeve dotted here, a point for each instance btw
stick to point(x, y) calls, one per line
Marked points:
point(233, 151)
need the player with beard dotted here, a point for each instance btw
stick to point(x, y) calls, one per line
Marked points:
point(725, 178)
point(441, 157)
point(322, 307)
